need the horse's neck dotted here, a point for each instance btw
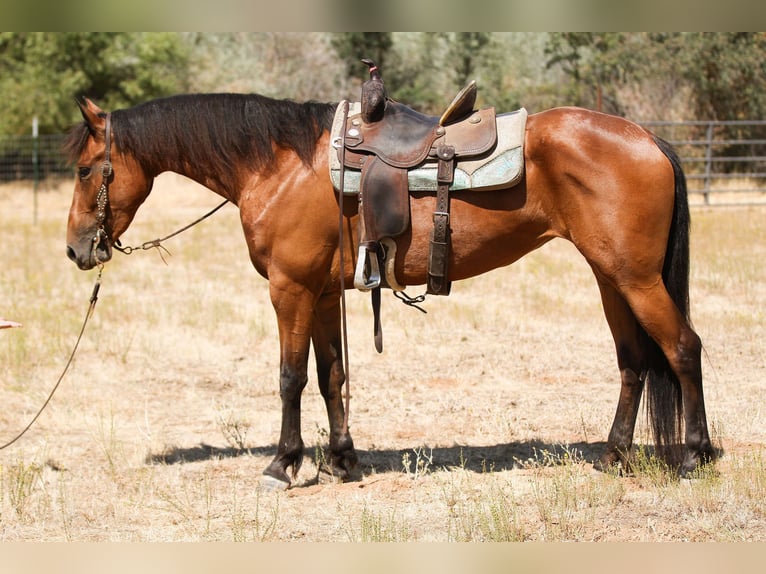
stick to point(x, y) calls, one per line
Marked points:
point(213, 179)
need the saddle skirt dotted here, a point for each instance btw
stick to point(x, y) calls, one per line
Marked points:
point(500, 167)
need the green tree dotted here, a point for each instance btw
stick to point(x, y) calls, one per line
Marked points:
point(466, 51)
point(596, 63)
point(352, 46)
point(415, 75)
point(726, 71)
point(727, 75)
point(41, 73)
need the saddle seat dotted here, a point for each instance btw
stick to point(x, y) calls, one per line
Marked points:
point(404, 137)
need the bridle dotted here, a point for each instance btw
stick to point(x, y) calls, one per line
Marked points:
point(102, 198)
point(102, 202)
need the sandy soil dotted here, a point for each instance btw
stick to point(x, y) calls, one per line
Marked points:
point(485, 412)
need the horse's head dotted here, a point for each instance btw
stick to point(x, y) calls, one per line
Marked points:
point(109, 187)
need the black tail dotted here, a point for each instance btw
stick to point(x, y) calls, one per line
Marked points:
point(663, 390)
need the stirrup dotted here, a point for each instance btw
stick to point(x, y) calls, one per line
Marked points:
point(363, 281)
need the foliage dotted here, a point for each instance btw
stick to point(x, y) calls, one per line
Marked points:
point(426, 69)
point(352, 46)
point(465, 51)
point(41, 73)
point(594, 61)
point(299, 66)
point(718, 75)
point(726, 71)
point(646, 76)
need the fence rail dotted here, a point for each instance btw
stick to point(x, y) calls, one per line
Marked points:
point(725, 162)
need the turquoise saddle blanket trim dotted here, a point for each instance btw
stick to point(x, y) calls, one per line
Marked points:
point(501, 168)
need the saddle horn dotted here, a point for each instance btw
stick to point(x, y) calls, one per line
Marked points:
point(373, 94)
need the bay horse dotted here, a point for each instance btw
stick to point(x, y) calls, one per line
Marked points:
point(609, 186)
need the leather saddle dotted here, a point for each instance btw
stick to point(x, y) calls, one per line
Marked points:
point(388, 142)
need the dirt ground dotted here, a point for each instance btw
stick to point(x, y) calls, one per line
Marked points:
point(479, 421)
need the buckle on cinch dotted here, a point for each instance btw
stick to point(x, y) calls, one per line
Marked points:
point(440, 214)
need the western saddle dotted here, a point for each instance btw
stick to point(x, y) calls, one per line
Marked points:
point(386, 140)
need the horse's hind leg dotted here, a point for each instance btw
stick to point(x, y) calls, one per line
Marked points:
point(625, 331)
point(326, 336)
point(682, 348)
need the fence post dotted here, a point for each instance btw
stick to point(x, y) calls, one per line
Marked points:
point(35, 165)
point(708, 161)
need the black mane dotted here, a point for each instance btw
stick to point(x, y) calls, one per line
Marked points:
point(213, 131)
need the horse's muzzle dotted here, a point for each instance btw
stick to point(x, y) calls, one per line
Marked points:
point(88, 254)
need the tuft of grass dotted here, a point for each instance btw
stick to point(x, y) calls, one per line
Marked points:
point(256, 524)
point(234, 428)
point(18, 483)
point(421, 465)
point(191, 505)
point(749, 481)
point(111, 446)
point(492, 515)
point(380, 526)
point(650, 471)
point(568, 494)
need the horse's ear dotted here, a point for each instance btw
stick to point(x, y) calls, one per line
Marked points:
point(93, 115)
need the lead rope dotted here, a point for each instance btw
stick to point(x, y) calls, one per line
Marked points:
point(341, 147)
point(157, 243)
point(102, 200)
point(88, 315)
point(94, 296)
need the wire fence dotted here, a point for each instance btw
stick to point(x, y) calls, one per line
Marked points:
point(724, 162)
point(28, 158)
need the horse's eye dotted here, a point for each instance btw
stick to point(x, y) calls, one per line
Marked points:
point(84, 172)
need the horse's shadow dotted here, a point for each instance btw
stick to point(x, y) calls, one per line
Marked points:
point(488, 458)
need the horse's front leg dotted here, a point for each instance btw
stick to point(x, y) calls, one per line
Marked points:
point(293, 306)
point(326, 336)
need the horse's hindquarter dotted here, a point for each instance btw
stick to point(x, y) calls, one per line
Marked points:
point(604, 183)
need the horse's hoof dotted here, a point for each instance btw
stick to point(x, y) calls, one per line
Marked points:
point(694, 463)
point(611, 462)
point(326, 476)
point(271, 484)
point(691, 469)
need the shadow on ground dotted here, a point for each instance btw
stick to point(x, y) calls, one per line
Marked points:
point(474, 458)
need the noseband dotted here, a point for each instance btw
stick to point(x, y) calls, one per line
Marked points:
point(102, 199)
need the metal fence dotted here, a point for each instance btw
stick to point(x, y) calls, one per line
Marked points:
point(28, 158)
point(725, 162)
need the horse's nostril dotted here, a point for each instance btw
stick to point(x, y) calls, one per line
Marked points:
point(70, 253)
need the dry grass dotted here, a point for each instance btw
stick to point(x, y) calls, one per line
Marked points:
point(162, 427)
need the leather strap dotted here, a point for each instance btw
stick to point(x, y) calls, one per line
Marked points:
point(438, 284)
point(342, 276)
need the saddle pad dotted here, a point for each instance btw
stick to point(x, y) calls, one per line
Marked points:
point(500, 168)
